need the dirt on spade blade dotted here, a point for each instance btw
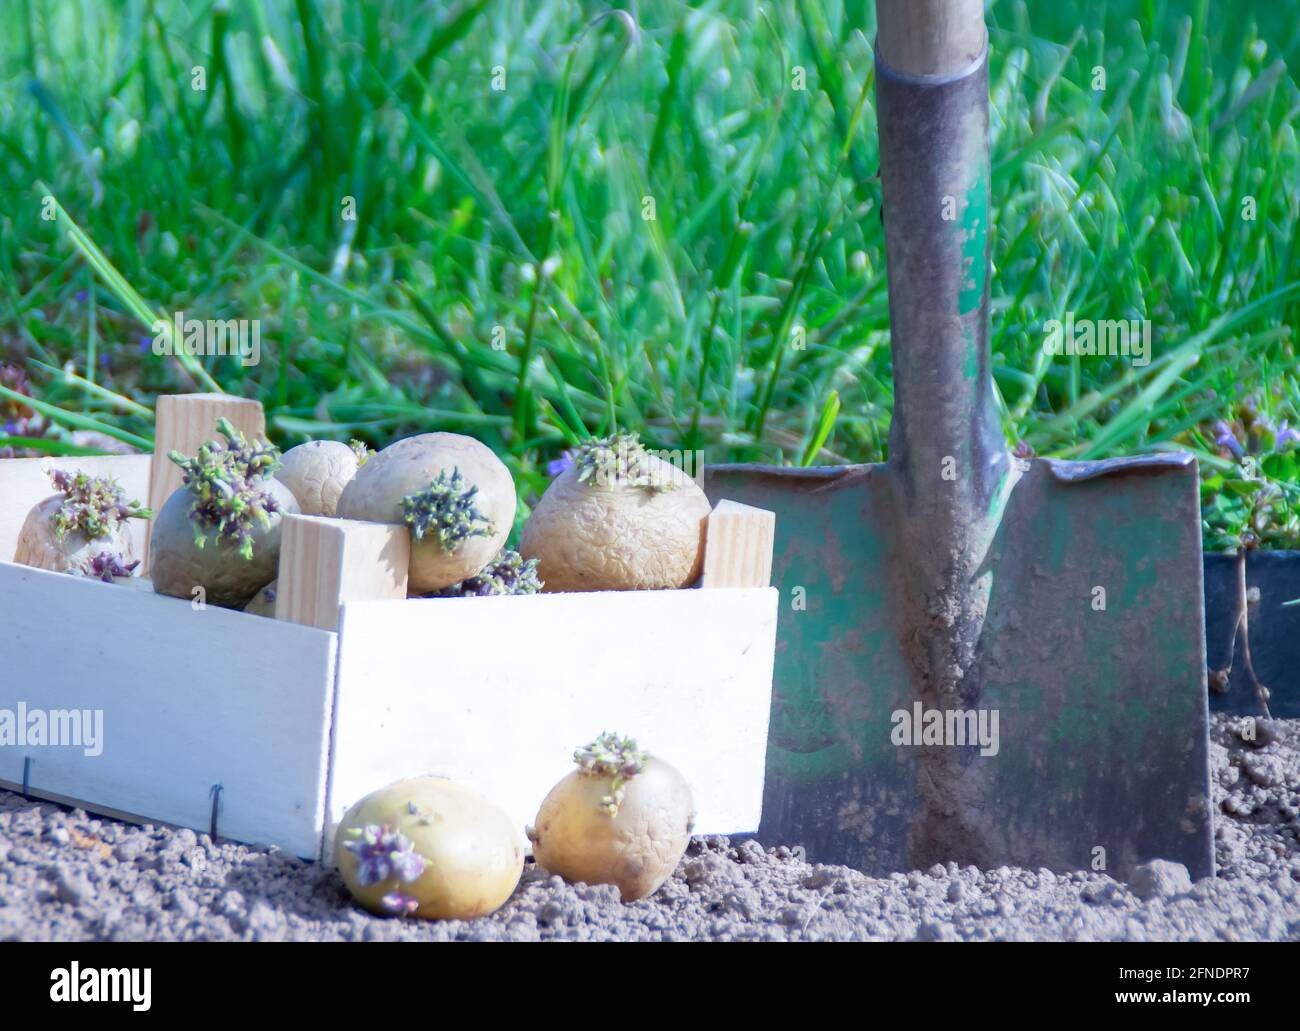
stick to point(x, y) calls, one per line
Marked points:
point(65, 875)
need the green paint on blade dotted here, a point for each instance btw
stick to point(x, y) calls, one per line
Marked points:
point(975, 227)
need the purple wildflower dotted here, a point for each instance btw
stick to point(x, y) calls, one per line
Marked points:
point(1225, 438)
point(558, 465)
point(383, 853)
point(1287, 437)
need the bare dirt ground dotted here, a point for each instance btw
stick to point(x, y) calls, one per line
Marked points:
point(65, 875)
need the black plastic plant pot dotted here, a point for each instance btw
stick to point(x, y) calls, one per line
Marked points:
point(1274, 631)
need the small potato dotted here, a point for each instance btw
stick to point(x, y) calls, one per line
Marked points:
point(431, 848)
point(585, 832)
point(317, 472)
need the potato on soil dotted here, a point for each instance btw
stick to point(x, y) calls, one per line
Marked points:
point(70, 530)
point(618, 519)
point(431, 848)
point(221, 530)
point(317, 472)
point(456, 496)
point(623, 818)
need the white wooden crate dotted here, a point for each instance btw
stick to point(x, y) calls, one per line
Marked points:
point(296, 723)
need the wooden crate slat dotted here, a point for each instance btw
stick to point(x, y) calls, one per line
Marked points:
point(190, 699)
point(738, 546)
point(325, 563)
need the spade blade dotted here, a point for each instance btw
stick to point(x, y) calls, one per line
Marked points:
point(1089, 675)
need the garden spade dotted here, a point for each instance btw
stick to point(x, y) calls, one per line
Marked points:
point(981, 658)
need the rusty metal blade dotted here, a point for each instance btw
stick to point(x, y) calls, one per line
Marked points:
point(1102, 757)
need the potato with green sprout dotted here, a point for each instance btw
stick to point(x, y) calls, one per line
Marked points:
point(456, 497)
point(508, 573)
point(220, 531)
point(618, 519)
point(71, 530)
point(430, 848)
point(622, 817)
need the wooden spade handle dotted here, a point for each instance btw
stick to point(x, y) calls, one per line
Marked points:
point(930, 37)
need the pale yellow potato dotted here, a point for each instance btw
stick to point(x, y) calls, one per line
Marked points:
point(637, 849)
point(473, 854)
point(409, 466)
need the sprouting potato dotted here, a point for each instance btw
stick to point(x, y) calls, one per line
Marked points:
point(220, 532)
point(454, 494)
point(623, 818)
point(618, 519)
point(82, 529)
point(431, 848)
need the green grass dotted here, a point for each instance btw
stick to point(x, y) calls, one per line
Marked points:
point(516, 216)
